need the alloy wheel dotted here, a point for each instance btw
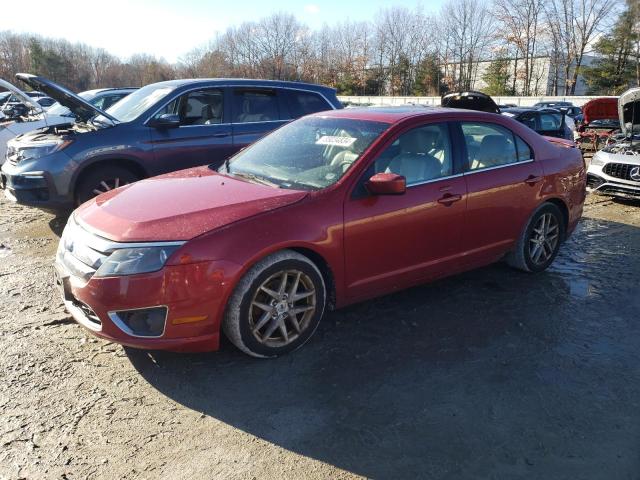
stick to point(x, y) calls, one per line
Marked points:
point(107, 185)
point(282, 308)
point(544, 239)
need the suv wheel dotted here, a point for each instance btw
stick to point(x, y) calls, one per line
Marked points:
point(276, 306)
point(102, 180)
point(540, 241)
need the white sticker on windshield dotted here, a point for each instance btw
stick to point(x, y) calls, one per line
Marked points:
point(336, 141)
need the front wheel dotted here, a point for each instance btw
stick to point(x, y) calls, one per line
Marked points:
point(540, 241)
point(101, 180)
point(276, 306)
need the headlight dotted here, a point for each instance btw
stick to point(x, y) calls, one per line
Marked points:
point(129, 261)
point(34, 150)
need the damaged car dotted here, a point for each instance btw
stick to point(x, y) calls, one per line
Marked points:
point(598, 125)
point(615, 170)
point(24, 111)
point(159, 128)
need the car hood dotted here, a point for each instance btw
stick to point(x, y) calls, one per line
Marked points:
point(470, 101)
point(82, 109)
point(179, 206)
point(605, 108)
point(24, 98)
point(629, 110)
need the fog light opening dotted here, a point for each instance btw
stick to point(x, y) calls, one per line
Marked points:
point(142, 322)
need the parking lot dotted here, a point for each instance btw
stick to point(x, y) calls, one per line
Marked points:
point(490, 374)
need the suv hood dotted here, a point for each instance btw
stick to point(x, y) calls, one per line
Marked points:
point(629, 110)
point(470, 101)
point(24, 98)
point(179, 206)
point(605, 108)
point(82, 109)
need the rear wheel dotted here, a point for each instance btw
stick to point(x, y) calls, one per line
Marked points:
point(276, 306)
point(540, 241)
point(101, 180)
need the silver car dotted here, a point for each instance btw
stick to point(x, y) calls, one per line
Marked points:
point(615, 170)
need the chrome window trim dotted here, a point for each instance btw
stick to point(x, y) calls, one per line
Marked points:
point(487, 169)
point(238, 86)
point(113, 316)
point(433, 180)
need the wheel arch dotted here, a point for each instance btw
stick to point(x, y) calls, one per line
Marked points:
point(562, 206)
point(325, 269)
point(125, 162)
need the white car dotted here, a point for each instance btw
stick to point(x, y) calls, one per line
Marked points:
point(36, 116)
point(615, 170)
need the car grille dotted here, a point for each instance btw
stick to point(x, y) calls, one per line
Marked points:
point(82, 252)
point(619, 170)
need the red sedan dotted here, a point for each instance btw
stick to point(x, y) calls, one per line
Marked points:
point(328, 210)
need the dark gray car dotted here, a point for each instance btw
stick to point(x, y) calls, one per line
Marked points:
point(159, 128)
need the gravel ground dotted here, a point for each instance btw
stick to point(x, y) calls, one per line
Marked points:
point(492, 374)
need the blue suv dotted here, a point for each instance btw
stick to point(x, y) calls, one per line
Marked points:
point(159, 128)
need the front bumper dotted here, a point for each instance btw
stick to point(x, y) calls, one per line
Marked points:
point(194, 296)
point(609, 180)
point(29, 184)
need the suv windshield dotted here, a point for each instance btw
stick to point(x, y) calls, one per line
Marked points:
point(132, 106)
point(308, 154)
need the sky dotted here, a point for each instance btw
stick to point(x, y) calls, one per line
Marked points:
point(169, 29)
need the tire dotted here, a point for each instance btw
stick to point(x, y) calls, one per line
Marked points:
point(247, 326)
point(103, 179)
point(523, 257)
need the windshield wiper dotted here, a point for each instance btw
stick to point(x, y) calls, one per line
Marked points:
point(255, 178)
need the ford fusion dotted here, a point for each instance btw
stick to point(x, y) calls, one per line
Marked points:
point(326, 211)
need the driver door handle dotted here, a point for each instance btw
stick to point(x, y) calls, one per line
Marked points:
point(532, 180)
point(449, 198)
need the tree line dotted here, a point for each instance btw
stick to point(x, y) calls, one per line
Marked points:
point(511, 47)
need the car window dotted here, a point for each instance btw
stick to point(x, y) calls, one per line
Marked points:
point(255, 106)
point(524, 151)
point(488, 145)
point(202, 107)
point(304, 103)
point(550, 121)
point(106, 101)
point(529, 119)
point(419, 155)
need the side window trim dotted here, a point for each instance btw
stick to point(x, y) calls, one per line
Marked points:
point(358, 186)
point(468, 171)
point(179, 98)
point(265, 90)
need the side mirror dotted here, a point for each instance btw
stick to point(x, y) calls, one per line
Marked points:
point(387, 184)
point(166, 120)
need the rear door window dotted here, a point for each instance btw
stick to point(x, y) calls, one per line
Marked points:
point(488, 145)
point(255, 105)
point(304, 103)
point(550, 121)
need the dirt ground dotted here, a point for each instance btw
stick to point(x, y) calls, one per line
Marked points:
point(493, 374)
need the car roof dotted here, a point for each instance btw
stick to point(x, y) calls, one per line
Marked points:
point(529, 109)
point(244, 82)
point(97, 91)
point(393, 115)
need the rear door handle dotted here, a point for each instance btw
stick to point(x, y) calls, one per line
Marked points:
point(220, 135)
point(449, 198)
point(532, 180)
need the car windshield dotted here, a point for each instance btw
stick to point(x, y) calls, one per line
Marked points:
point(63, 111)
point(132, 106)
point(309, 154)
